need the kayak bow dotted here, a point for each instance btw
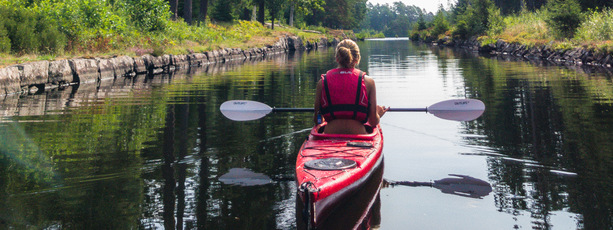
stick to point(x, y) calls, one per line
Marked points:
point(331, 167)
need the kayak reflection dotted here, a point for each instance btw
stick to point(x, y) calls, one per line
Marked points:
point(362, 210)
point(460, 185)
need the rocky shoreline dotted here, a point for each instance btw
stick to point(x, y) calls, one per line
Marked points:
point(576, 56)
point(29, 78)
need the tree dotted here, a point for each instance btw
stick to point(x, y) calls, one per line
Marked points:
point(187, 11)
point(394, 20)
point(304, 7)
point(471, 17)
point(564, 17)
point(344, 14)
point(222, 11)
point(274, 7)
point(174, 5)
point(261, 10)
point(204, 7)
point(440, 23)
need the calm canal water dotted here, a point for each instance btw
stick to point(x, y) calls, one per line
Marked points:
point(147, 152)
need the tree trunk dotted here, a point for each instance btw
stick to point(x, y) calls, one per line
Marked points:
point(291, 16)
point(254, 13)
point(261, 11)
point(187, 11)
point(204, 7)
point(273, 22)
point(173, 8)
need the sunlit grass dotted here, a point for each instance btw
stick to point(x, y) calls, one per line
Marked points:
point(529, 28)
point(526, 28)
point(178, 38)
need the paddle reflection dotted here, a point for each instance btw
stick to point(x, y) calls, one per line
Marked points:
point(460, 185)
point(361, 210)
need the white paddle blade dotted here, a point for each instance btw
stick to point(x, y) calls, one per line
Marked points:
point(458, 109)
point(243, 110)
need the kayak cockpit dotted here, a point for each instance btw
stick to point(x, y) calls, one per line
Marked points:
point(318, 133)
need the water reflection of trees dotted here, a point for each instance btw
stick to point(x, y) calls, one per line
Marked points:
point(152, 160)
point(545, 120)
point(198, 145)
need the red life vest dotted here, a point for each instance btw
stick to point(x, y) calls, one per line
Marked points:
point(344, 95)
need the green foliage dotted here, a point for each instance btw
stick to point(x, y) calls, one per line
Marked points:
point(394, 20)
point(472, 18)
point(462, 30)
point(5, 42)
point(274, 9)
point(85, 19)
point(597, 27)
point(21, 25)
point(44, 26)
point(564, 17)
point(495, 21)
point(222, 11)
point(341, 14)
point(364, 34)
point(147, 15)
point(421, 23)
point(52, 40)
point(28, 31)
point(440, 24)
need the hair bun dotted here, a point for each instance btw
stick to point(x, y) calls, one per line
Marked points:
point(347, 54)
point(344, 56)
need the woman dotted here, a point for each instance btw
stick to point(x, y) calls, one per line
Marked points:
point(346, 98)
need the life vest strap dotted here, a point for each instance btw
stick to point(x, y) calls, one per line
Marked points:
point(358, 94)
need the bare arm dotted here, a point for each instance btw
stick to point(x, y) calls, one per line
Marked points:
point(375, 111)
point(316, 104)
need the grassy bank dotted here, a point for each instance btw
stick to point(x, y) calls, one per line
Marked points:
point(51, 30)
point(560, 24)
point(531, 28)
point(178, 38)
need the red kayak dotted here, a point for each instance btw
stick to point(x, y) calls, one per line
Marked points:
point(331, 167)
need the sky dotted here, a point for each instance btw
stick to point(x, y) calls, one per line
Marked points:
point(429, 5)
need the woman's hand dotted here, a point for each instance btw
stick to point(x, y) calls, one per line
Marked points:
point(381, 110)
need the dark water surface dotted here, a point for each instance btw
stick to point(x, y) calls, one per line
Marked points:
point(147, 152)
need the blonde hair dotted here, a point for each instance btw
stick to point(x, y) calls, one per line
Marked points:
point(347, 54)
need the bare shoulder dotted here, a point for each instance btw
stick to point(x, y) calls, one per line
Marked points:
point(370, 83)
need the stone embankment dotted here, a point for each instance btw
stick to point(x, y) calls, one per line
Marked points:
point(32, 77)
point(576, 56)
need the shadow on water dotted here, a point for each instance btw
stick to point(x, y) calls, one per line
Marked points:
point(459, 185)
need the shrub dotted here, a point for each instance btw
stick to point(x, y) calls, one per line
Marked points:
point(462, 30)
point(147, 15)
point(20, 25)
point(5, 42)
point(597, 27)
point(496, 22)
point(50, 38)
point(564, 17)
point(370, 33)
point(441, 25)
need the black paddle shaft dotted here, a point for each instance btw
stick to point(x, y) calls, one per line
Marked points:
point(311, 109)
point(408, 109)
point(293, 109)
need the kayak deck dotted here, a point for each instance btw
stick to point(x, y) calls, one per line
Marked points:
point(330, 167)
